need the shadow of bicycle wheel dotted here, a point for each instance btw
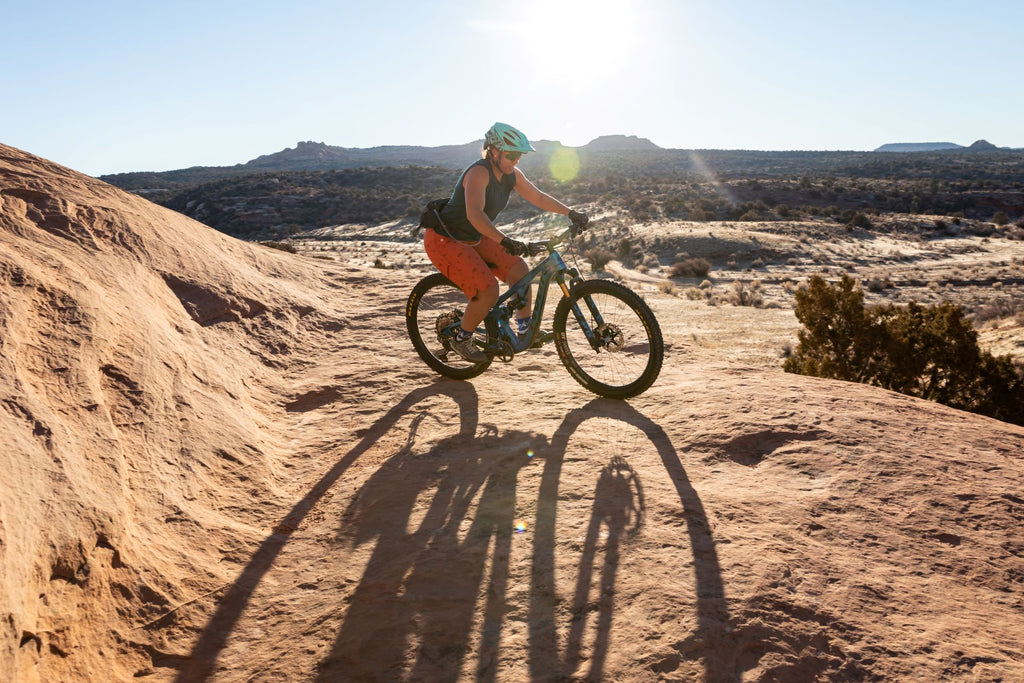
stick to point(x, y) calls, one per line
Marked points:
point(618, 503)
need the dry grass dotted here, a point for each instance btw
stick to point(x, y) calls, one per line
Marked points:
point(691, 267)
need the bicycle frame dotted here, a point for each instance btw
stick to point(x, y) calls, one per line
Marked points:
point(552, 269)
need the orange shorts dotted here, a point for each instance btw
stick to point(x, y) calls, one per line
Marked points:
point(472, 267)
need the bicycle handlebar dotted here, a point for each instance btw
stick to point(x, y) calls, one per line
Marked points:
point(537, 248)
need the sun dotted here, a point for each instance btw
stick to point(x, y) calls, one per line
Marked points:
point(583, 41)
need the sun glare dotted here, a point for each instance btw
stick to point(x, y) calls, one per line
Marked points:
point(564, 165)
point(582, 41)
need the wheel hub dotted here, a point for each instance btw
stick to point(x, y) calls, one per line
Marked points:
point(610, 336)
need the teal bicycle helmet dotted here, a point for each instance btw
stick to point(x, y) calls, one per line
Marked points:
point(507, 139)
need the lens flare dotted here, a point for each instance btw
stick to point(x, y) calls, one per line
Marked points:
point(520, 526)
point(529, 453)
point(703, 169)
point(564, 164)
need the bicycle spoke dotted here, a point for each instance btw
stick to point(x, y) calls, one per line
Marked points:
point(629, 348)
point(434, 305)
point(614, 362)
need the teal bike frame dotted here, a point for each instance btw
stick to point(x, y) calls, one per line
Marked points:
point(503, 341)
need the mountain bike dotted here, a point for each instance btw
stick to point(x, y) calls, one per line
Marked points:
point(605, 334)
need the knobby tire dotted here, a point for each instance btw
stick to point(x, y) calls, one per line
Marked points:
point(629, 360)
point(434, 296)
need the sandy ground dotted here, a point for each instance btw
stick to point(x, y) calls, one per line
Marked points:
point(226, 463)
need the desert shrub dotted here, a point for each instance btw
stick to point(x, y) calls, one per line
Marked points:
point(930, 352)
point(624, 248)
point(695, 293)
point(746, 294)
point(1000, 218)
point(691, 267)
point(838, 336)
point(1000, 308)
point(860, 220)
point(281, 246)
point(878, 283)
point(651, 261)
point(598, 257)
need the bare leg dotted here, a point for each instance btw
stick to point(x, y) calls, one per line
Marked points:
point(477, 308)
point(516, 274)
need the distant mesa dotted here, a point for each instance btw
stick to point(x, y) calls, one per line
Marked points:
point(304, 151)
point(978, 146)
point(918, 147)
point(620, 143)
point(318, 156)
point(982, 145)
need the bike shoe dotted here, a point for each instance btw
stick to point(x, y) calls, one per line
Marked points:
point(468, 350)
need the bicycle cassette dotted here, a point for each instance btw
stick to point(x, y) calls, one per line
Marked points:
point(444, 322)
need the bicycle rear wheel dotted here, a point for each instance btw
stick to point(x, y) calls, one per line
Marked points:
point(434, 304)
point(626, 355)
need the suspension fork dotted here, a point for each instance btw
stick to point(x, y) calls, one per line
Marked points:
point(581, 319)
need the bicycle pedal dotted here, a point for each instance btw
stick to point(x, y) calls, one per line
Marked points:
point(542, 339)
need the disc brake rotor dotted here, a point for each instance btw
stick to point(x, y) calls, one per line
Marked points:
point(611, 337)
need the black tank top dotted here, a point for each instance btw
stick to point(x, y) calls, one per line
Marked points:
point(496, 198)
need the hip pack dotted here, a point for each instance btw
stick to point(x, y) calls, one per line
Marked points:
point(431, 218)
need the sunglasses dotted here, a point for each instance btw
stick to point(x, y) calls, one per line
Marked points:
point(513, 156)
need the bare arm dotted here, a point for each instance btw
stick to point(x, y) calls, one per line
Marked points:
point(542, 200)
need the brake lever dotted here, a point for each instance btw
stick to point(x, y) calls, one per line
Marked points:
point(537, 248)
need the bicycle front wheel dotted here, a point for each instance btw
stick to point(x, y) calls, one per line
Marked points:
point(435, 304)
point(623, 354)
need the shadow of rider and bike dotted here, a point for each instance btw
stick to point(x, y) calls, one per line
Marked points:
point(430, 562)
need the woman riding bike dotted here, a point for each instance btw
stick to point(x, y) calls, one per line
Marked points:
point(470, 251)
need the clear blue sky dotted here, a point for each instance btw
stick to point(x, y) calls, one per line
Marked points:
point(117, 86)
